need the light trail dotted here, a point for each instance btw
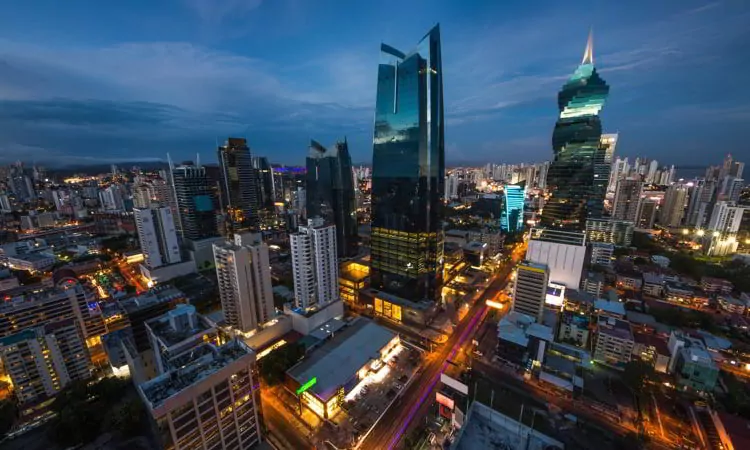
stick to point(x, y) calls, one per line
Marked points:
point(435, 378)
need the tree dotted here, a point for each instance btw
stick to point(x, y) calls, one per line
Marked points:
point(274, 365)
point(636, 374)
point(8, 415)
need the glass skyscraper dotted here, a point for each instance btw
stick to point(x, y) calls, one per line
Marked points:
point(239, 188)
point(576, 174)
point(409, 172)
point(329, 186)
point(511, 216)
point(196, 202)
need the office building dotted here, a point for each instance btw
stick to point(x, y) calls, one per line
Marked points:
point(158, 236)
point(673, 208)
point(627, 200)
point(409, 172)
point(314, 264)
point(563, 252)
point(243, 271)
point(530, 290)
point(511, 216)
point(329, 187)
point(210, 402)
point(577, 192)
point(239, 189)
point(196, 202)
point(617, 232)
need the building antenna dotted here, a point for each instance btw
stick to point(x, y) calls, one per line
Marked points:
point(197, 159)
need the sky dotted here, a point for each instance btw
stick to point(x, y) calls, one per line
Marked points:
point(98, 82)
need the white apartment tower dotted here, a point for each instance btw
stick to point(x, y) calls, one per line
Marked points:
point(726, 218)
point(244, 276)
point(316, 270)
point(158, 236)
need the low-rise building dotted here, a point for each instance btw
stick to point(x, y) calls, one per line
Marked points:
point(614, 342)
point(353, 277)
point(31, 262)
point(594, 284)
point(694, 367)
point(474, 253)
point(660, 260)
point(653, 350)
point(732, 305)
point(609, 308)
point(653, 285)
point(322, 380)
point(574, 328)
point(716, 285)
point(210, 402)
point(632, 281)
point(602, 253)
point(486, 428)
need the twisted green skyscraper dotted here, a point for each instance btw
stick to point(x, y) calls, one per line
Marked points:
point(577, 192)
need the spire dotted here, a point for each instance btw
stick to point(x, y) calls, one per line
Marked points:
point(588, 55)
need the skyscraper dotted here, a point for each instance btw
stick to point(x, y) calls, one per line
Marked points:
point(239, 187)
point(627, 199)
point(196, 202)
point(157, 235)
point(673, 209)
point(243, 272)
point(511, 217)
point(576, 190)
point(329, 186)
point(408, 172)
point(314, 264)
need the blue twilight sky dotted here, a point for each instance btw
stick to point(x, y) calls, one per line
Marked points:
point(92, 81)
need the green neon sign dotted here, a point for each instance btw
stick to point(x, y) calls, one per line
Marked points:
point(307, 385)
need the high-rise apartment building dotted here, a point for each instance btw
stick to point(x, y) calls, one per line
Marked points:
point(726, 218)
point(210, 402)
point(329, 187)
point(530, 290)
point(574, 179)
point(409, 172)
point(627, 199)
point(314, 264)
point(701, 196)
point(43, 337)
point(196, 202)
point(511, 217)
point(158, 236)
point(673, 209)
point(239, 188)
point(647, 213)
point(243, 271)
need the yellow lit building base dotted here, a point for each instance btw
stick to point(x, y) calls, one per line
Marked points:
point(387, 309)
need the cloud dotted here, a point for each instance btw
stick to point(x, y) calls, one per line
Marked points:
point(214, 12)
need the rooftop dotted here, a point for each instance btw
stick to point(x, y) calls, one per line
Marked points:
point(640, 318)
point(650, 340)
point(334, 363)
point(610, 307)
point(152, 297)
point(159, 389)
point(615, 327)
point(488, 429)
point(177, 325)
point(697, 355)
point(354, 271)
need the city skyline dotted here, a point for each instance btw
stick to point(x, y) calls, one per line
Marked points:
point(136, 89)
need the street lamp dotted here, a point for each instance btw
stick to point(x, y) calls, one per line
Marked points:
point(700, 232)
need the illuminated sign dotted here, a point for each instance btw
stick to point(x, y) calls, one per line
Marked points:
point(494, 304)
point(555, 294)
point(445, 401)
point(307, 385)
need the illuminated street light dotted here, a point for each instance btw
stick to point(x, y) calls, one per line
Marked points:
point(700, 232)
point(716, 234)
point(685, 231)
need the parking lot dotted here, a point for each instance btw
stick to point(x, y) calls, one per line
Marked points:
point(365, 404)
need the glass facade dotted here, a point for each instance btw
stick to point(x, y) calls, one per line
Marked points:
point(511, 216)
point(408, 172)
point(578, 175)
point(329, 186)
point(239, 188)
point(196, 203)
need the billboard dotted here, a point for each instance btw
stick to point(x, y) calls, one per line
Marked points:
point(445, 401)
point(555, 294)
point(454, 383)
